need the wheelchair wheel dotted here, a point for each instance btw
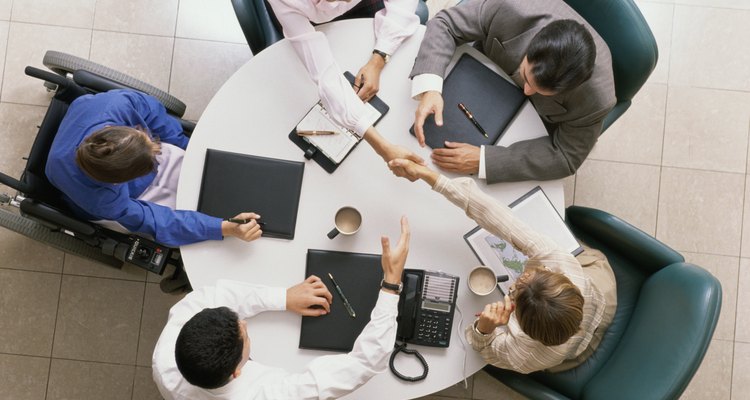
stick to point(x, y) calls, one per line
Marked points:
point(65, 64)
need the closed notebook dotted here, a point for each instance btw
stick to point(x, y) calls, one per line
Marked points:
point(491, 99)
point(234, 183)
point(359, 277)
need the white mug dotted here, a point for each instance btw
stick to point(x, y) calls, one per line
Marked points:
point(346, 222)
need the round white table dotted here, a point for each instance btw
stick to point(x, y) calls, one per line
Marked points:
point(253, 113)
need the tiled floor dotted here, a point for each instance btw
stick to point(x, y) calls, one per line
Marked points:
point(675, 165)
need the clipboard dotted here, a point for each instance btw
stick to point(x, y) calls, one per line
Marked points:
point(311, 152)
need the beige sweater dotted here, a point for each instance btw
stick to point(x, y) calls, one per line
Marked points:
point(508, 346)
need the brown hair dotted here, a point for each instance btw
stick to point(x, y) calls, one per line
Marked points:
point(549, 307)
point(117, 154)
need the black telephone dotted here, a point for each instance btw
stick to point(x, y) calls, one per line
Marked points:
point(426, 307)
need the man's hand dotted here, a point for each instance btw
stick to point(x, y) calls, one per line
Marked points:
point(310, 298)
point(393, 151)
point(457, 157)
point(247, 232)
point(367, 80)
point(393, 260)
point(412, 171)
point(494, 315)
point(430, 103)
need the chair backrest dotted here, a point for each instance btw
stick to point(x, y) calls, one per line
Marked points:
point(258, 23)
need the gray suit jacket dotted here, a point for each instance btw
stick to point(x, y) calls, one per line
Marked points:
point(504, 28)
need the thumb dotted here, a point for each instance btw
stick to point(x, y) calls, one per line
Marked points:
point(439, 114)
point(386, 244)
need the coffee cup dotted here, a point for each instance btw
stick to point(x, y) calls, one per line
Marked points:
point(346, 222)
point(482, 280)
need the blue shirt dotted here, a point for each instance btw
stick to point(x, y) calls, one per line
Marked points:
point(96, 200)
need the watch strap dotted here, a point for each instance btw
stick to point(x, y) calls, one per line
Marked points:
point(385, 56)
point(391, 286)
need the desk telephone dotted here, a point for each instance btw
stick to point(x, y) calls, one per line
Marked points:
point(426, 307)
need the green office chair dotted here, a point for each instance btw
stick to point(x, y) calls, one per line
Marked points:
point(262, 29)
point(633, 47)
point(667, 311)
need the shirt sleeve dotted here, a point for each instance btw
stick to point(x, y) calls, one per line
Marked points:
point(160, 124)
point(482, 164)
point(425, 83)
point(394, 23)
point(330, 377)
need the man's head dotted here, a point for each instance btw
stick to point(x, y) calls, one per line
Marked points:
point(212, 348)
point(549, 307)
point(559, 58)
point(117, 154)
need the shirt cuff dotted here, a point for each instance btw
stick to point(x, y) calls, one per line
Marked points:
point(277, 299)
point(481, 339)
point(368, 118)
point(425, 83)
point(214, 228)
point(482, 165)
point(387, 303)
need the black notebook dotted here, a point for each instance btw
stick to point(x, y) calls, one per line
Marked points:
point(329, 151)
point(359, 277)
point(234, 183)
point(488, 96)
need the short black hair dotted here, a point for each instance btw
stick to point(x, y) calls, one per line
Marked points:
point(562, 55)
point(209, 347)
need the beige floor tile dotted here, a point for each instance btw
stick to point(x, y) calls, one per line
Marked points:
point(75, 265)
point(738, 4)
point(709, 48)
point(200, 68)
point(28, 304)
point(148, 17)
point(659, 18)
point(706, 129)
point(27, 44)
point(145, 57)
point(18, 128)
point(82, 380)
point(629, 191)
point(569, 188)
point(698, 211)
point(714, 377)
point(746, 220)
point(742, 328)
point(488, 388)
point(436, 397)
point(98, 319)
point(22, 377)
point(19, 252)
point(637, 136)
point(209, 20)
point(4, 28)
point(726, 270)
point(144, 387)
point(741, 371)
point(5, 6)
point(72, 13)
point(458, 390)
point(155, 312)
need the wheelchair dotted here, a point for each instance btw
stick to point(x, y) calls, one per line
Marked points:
point(37, 209)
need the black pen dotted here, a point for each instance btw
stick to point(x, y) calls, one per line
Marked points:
point(244, 221)
point(471, 118)
point(348, 306)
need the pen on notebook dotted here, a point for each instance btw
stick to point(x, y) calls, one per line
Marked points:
point(361, 82)
point(472, 119)
point(311, 133)
point(243, 221)
point(348, 306)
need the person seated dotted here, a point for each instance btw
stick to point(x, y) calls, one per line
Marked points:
point(203, 352)
point(117, 157)
point(562, 64)
point(392, 24)
point(558, 309)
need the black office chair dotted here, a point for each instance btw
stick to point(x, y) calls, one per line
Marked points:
point(262, 29)
point(44, 216)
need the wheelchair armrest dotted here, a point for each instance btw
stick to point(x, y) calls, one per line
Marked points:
point(12, 182)
point(96, 82)
point(187, 127)
point(49, 214)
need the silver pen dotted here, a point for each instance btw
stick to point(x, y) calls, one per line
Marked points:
point(348, 306)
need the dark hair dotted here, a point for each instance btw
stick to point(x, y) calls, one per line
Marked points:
point(209, 347)
point(549, 307)
point(561, 55)
point(117, 154)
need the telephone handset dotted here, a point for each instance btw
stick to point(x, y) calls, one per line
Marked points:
point(426, 307)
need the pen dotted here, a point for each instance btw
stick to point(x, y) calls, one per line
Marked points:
point(361, 82)
point(471, 118)
point(348, 306)
point(311, 133)
point(243, 221)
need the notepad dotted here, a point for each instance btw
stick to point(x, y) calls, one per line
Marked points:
point(536, 210)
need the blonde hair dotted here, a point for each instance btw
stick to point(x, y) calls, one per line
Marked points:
point(117, 154)
point(549, 307)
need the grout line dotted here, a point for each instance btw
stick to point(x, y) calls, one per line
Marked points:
point(138, 341)
point(54, 328)
point(76, 275)
point(174, 46)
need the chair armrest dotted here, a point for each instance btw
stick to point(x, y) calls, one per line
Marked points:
point(630, 242)
point(50, 215)
point(524, 384)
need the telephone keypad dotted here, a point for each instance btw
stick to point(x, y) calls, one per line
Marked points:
point(433, 328)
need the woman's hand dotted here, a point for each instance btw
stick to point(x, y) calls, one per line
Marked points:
point(494, 315)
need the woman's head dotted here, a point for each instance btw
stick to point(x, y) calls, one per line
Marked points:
point(549, 307)
point(117, 154)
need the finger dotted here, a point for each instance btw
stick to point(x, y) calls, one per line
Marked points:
point(358, 80)
point(386, 244)
point(417, 159)
point(325, 293)
point(439, 114)
point(312, 279)
point(507, 303)
point(419, 125)
point(256, 235)
point(323, 302)
point(487, 309)
point(442, 156)
point(313, 312)
point(247, 215)
point(405, 232)
point(445, 152)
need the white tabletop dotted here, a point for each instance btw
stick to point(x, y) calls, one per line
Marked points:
point(253, 113)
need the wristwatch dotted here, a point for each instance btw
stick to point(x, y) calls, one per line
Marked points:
point(392, 286)
point(385, 56)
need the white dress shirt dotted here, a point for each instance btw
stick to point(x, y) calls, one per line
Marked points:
point(396, 22)
point(325, 377)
